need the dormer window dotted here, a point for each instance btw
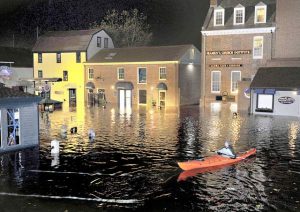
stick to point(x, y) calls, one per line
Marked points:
point(239, 15)
point(260, 13)
point(219, 16)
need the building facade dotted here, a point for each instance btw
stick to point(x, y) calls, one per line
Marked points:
point(164, 76)
point(60, 55)
point(237, 39)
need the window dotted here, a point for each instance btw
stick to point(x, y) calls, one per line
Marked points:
point(235, 78)
point(142, 97)
point(265, 102)
point(78, 57)
point(13, 125)
point(40, 74)
point(121, 73)
point(215, 81)
point(91, 73)
point(105, 43)
point(260, 14)
point(219, 17)
point(65, 75)
point(162, 73)
point(142, 75)
point(239, 17)
point(258, 47)
point(40, 57)
point(99, 42)
point(58, 57)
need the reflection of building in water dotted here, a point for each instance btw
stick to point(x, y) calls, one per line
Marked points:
point(17, 110)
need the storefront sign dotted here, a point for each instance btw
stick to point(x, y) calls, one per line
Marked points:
point(231, 52)
point(286, 100)
point(225, 65)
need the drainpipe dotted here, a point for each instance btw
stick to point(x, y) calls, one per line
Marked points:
point(203, 70)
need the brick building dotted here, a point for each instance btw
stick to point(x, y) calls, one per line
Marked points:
point(237, 38)
point(153, 76)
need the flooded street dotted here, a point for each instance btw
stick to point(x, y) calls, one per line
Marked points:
point(131, 163)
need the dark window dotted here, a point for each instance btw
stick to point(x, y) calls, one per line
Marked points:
point(40, 74)
point(58, 57)
point(99, 42)
point(106, 43)
point(121, 73)
point(40, 58)
point(65, 75)
point(142, 72)
point(142, 97)
point(78, 57)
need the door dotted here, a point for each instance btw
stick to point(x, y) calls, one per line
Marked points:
point(125, 98)
point(72, 97)
point(162, 98)
point(122, 99)
point(128, 98)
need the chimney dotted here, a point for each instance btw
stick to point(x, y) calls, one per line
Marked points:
point(214, 3)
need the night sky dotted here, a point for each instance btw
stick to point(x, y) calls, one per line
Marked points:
point(171, 21)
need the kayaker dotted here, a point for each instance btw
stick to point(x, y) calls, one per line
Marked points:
point(227, 151)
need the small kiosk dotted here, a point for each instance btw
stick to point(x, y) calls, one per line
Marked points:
point(19, 125)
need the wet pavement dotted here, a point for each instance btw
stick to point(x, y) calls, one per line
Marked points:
point(131, 163)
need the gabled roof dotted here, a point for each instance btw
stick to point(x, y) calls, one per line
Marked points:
point(249, 5)
point(277, 77)
point(76, 40)
point(10, 95)
point(19, 57)
point(141, 54)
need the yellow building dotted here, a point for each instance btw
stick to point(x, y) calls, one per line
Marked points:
point(58, 59)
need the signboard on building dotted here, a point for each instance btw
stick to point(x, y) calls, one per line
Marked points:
point(286, 100)
point(5, 72)
point(225, 65)
point(230, 52)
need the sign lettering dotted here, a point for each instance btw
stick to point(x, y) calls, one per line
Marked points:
point(230, 52)
point(286, 100)
point(225, 65)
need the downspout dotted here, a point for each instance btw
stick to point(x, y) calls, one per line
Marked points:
point(203, 68)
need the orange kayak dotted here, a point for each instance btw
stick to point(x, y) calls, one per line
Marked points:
point(212, 161)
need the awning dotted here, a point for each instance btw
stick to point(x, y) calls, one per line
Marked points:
point(124, 85)
point(48, 101)
point(90, 85)
point(259, 91)
point(265, 91)
point(162, 86)
point(42, 79)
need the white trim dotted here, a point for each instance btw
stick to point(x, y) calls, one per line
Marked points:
point(255, 16)
point(215, 17)
point(262, 48)
point(211, 82)
point(88, 76)
point(239, 31)
point(234, 17)
point(138, 80)
point(118, 69)
point(159, 72)
point(234, 92)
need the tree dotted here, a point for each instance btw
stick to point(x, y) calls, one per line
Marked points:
point(127, 28)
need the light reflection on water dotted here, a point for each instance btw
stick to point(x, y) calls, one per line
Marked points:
point(132, 162)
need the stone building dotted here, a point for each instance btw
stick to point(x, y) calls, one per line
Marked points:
point(162, 76)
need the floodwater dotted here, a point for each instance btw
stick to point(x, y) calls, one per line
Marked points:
point(131, 163)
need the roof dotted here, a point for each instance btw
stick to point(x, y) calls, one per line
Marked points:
point(75, 40)
point(9, 95)
point(141, 54)
point(277, 77)
point(249, 5)
point(20, 57)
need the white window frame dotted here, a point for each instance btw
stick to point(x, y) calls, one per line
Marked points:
point(138, 76)
point(160, 68)
point(262, 47)
point(118, 73)
point(231, 86)
point(255, 17)
point(211, 87)
point(215, 17)
point(91, 78)
point(235, 12)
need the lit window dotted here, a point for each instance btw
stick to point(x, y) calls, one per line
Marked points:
point(219, 17)
point(105, 43)
point(121, 73)
point(162, 73)
point(215, 81)
point(239, 16)
point(235, 78)
point(99, 42)
point(260, 14)
point(40, 57)
point(264, 103)
point(65, 75)
point(258, 47)
point(40, 74)
point(13, 127)
point(142, 75)
point(58, 57)
point(91, 73)
point(78, 57)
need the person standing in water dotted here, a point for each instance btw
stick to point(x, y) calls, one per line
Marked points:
point(227, 151)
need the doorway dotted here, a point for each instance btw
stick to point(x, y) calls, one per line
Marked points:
point(162, 98)
point(72, 97)
point(125, 98)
